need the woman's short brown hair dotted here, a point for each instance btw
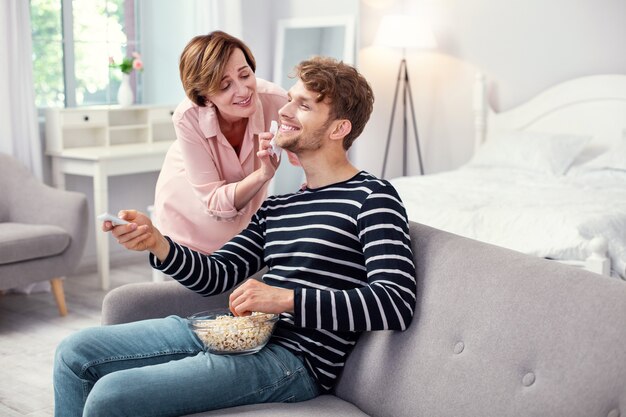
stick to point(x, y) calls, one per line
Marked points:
point(350, 95)
point(203, 61)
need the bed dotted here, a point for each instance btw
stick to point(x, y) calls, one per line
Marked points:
point(547, 178)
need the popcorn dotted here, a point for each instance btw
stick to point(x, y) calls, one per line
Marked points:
point(229, 334)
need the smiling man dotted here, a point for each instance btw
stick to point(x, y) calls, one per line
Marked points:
point(339, 263)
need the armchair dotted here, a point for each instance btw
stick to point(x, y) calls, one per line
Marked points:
point(42, 230)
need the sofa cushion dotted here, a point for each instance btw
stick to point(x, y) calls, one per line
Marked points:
point(22, 242)
point(324, 405)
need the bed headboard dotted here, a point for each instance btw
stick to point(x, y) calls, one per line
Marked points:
point(593, 105)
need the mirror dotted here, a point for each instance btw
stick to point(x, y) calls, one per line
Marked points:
point(299, 39)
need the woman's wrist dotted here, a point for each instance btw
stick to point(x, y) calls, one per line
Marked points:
point(263, 176)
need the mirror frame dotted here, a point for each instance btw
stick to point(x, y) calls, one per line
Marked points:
point(345, 21)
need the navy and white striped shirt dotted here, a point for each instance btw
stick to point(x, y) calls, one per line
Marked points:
point(345, 251)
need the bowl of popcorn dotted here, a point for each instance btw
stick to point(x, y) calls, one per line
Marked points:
point(223, 333)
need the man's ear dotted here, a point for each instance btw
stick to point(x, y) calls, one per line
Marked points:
point(341, 129)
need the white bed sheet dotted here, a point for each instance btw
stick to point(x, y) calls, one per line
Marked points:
point(542, 215)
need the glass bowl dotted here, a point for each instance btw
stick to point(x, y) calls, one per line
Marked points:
point(224, 334)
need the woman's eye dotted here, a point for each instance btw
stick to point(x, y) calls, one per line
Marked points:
point(225, 86)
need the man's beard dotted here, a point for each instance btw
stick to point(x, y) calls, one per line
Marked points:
point(307, 141)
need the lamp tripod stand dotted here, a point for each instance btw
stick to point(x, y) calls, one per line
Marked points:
point(403, 76)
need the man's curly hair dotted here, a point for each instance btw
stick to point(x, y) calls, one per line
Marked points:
point(348, 92)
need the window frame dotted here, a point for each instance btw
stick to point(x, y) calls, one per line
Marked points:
point(67, 41)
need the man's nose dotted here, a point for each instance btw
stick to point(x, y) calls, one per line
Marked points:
point(285, 112)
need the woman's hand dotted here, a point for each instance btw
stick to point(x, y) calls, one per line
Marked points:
point(139, 235)
point(269, 161)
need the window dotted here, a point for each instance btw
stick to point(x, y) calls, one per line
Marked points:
point(72, 43)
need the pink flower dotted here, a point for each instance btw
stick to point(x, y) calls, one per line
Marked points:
point(111, 61)
point(137, 64)
point(136, 55)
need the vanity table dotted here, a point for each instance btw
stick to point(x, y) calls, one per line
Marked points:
point(104, 141)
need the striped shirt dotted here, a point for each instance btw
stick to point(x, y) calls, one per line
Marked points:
point(345, 251)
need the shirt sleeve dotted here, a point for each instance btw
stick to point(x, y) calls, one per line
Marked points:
point(219, 272)
point(387, 302)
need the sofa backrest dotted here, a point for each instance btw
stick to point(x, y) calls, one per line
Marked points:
point(495, 333)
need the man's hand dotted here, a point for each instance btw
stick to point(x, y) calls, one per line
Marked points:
point(254, 295)
point(139, 235)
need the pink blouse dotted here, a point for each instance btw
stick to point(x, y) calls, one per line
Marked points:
point(195, 192)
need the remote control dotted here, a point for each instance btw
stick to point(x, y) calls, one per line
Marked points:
point(116, 221)
point(275, 149)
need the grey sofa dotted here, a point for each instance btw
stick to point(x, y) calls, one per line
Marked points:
point(496, 333)
point(42, 230)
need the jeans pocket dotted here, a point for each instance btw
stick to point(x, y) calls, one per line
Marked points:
point(311, 384)
point(280, 361)
point(295, 384)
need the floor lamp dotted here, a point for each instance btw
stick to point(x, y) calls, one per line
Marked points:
point(404, 32)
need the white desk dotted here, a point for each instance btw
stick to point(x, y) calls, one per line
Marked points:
point(104, 141)
point(100, 163)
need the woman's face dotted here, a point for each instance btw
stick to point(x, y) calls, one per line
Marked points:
point(236, 97)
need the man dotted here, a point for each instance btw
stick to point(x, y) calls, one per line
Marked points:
point(339, 263)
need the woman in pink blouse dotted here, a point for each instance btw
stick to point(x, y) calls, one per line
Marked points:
point(209, 186)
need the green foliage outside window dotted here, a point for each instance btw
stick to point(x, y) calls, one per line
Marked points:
point(45, 16)
point(99, 31)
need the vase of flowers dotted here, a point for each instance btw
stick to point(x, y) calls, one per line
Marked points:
point(125, 95)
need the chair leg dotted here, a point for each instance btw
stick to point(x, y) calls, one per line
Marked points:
point(59, 296)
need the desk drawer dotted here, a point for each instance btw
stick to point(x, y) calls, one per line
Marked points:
point(161, 115)
point(84, 118)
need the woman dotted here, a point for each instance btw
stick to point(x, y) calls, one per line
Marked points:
point(210, 178)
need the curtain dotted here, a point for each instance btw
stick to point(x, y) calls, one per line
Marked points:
point(19, 128)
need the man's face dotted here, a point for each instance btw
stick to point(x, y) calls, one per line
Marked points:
point(236, 97)
point(303, 121)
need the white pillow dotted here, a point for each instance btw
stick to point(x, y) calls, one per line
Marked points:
point(534, 151)
point(614, 158)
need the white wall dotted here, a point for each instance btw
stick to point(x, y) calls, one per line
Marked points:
point(522, 47)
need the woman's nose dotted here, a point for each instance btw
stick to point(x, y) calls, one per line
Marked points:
point(242, 88)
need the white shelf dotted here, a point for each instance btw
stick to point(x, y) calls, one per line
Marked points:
point(97, 126)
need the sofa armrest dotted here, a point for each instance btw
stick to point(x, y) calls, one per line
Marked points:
point(146, 300)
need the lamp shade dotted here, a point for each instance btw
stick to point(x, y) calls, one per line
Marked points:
point(399, 31)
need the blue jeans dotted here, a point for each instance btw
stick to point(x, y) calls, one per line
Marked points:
point(159, 368)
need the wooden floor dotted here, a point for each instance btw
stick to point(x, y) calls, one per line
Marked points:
point(31, 328)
